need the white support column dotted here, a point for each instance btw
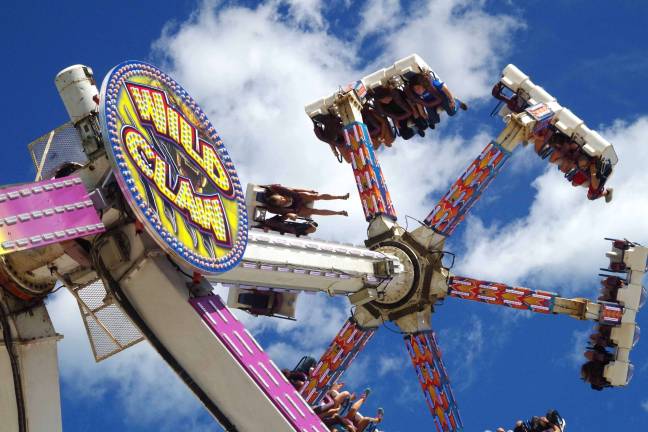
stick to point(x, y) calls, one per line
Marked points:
point(159, 295)
point(34, 344)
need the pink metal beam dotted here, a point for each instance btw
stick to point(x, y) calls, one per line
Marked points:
point(249, 354)
point(51, 211)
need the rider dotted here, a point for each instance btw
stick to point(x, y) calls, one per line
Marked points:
point(378, 126)
point(592, 372)
point(514, 102)
point(393, 104)
point(424, 97)
point(449, 103)
point(600, 170)
point(353, 421)
point(428, 92)
point(277, 223)
point(292, 203)
point(329, 128)
point(552, 422)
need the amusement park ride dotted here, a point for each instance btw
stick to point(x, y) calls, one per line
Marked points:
point(137, 210)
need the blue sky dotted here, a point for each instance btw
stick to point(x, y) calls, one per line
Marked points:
point(253, 68)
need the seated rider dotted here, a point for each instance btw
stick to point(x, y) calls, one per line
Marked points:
point(295, 378)
point(378, 126)
point(610, 288)
point(602, 336)
point(600, 170)
point(292, 203)
point(580, 175)
point(448, 102)
point(353, 421)
point(552, 422)
point(592, 372)
point(393, 104)
point(329, 128)
point(277, 223)
point(592, 174)
point(514, 103)
point(425, 97)
point(334, 401)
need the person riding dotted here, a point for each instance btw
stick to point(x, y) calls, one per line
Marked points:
point(599, 172)
point(336, 398)
point(277, 223)
point(353, 421)
point(425, 99)
point(448, 102)
point(514, 103)
point(580, 175)
point(592, 372)
point(378, 126)
point(392, 103)
point(329, 128)
point(610, 288)
point(292, 203)
point(552, 422)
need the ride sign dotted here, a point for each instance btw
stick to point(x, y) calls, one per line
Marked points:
point(172, 167)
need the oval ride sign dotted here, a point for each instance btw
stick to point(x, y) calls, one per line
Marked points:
point(173, 168)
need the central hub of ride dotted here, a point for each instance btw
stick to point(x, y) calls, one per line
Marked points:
point(408, 294)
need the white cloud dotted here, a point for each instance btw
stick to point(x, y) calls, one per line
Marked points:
point(389, 364)
point(307, 13)
point(579, 338)
point(560, 241)
point(644, 405)
point(253, 73)
point(379, 16)
point(462, 42)
point(463, 347)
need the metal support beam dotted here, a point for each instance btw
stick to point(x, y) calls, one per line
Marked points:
point(304, 264)
point(426, 358)
point(336, 360)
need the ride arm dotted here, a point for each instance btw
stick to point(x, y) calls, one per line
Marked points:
point(367, 172)
point(273, 261)
point(374, 196)
point(433, 378)
point(200, 339)
point(615, 311)
point(337, 358)
point(522, 298)
point(537, 111)
point(620, 304)
point(453, 207)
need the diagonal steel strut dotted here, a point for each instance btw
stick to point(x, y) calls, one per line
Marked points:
point(344, 348)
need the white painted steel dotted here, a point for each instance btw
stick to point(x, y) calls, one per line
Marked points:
point(304, 264)
point(635, 257)
point(410, 64)
point(159, 294)
point(77, 88)
point(635, 260)
point(35, 344)
point(564, 120)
